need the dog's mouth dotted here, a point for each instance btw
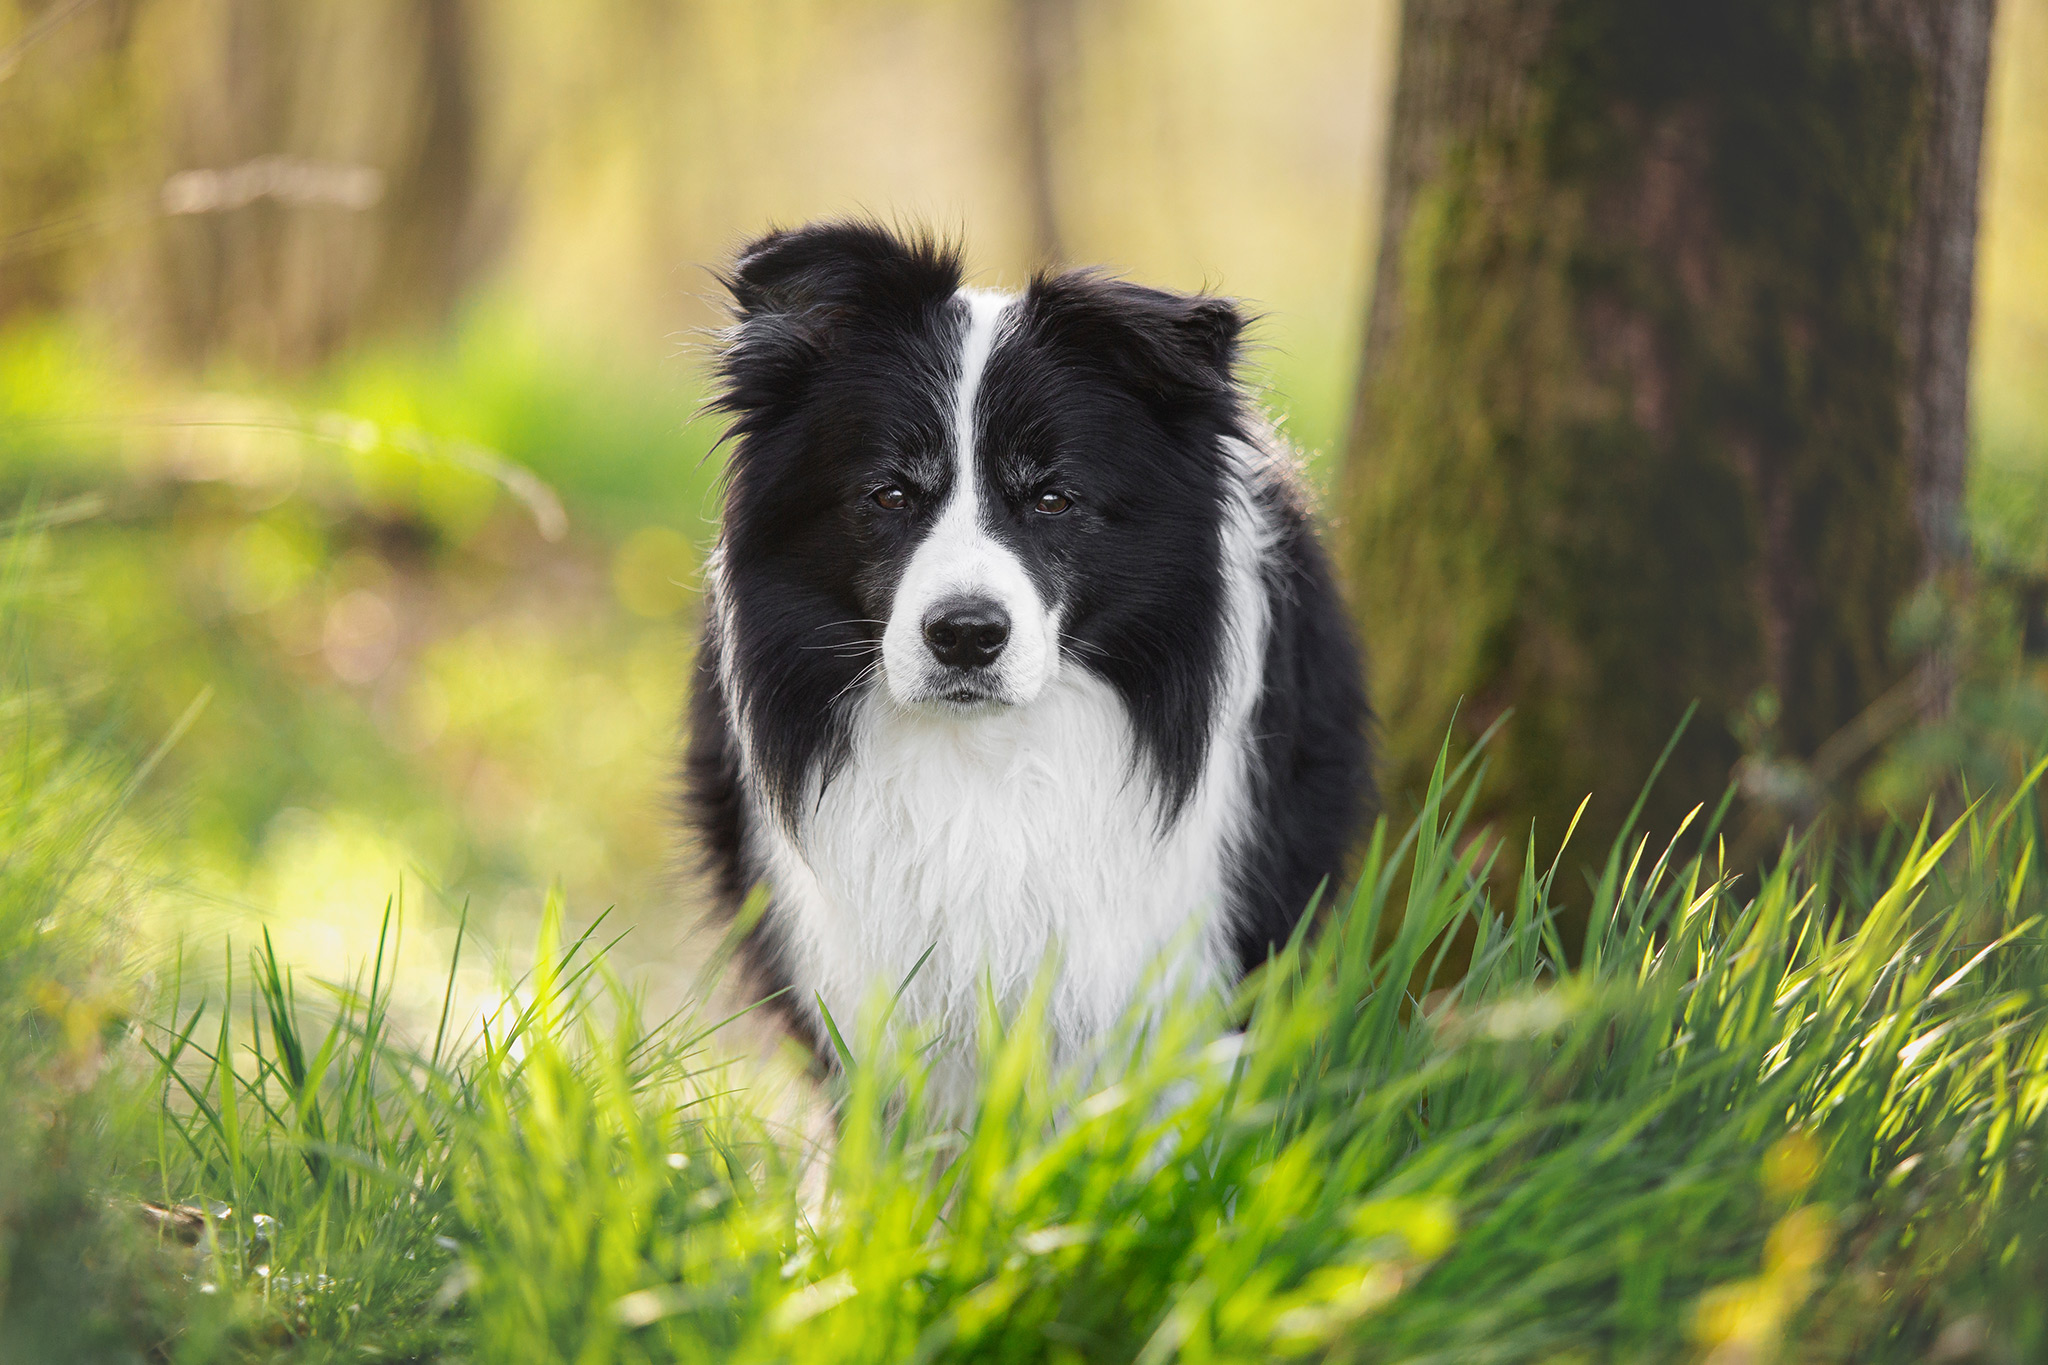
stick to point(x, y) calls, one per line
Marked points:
point(965, 693)
point(968, 695)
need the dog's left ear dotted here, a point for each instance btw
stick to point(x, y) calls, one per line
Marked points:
point(795, 293)
point(813, 275)
point(1168, 348)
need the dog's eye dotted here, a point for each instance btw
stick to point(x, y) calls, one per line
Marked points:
point(890, 499)
point(1051, 503)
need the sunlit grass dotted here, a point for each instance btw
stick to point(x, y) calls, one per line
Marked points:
point(1797, 1117)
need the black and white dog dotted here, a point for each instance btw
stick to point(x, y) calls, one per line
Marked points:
point(1019, 644)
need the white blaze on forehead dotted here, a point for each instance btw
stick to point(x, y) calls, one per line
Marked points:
point(959, 557)
point(985, 310)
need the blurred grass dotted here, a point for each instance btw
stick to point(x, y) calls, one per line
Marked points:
point(615, 438)
point(406, 680)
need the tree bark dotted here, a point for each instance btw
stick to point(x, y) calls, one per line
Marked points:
point(1664, 388)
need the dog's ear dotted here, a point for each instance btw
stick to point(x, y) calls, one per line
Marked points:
point(794, 293)
point(1167, 348)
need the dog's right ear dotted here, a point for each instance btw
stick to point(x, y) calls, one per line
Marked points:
point(794, 294)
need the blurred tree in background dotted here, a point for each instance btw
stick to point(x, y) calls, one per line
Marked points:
point(1664, 394)
point(283, 250)
point(276, 181)
point(353, 344)
point(357, 343)
point(277, 185)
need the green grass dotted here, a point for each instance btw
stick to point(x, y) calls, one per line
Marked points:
point(1792, 1117)
point(1797, 1117)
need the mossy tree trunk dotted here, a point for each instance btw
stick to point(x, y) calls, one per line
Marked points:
point(1663, 394)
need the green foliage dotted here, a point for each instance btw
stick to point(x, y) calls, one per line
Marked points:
point(404, 677)
point(1795, 1118)
point(76, 1280)
point(618, 441)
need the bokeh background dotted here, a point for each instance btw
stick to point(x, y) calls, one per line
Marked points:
point(351, 353)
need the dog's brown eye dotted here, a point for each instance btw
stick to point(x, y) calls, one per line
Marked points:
point(1051, 503)
point(891, 499)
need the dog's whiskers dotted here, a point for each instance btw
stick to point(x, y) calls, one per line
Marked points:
point(859, 679)
point(1090, 648)
point(848, 649)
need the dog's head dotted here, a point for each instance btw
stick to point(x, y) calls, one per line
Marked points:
point(956, 494)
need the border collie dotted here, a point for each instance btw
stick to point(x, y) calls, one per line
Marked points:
point(1019, 646)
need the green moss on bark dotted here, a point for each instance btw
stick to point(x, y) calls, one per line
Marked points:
point(1630, 431)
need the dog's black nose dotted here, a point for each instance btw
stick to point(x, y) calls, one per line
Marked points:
point(967, 632)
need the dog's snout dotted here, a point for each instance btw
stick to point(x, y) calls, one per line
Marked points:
point(967, 632)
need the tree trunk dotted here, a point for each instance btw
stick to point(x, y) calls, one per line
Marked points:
point(423, 266)
point(284, 275)
point(1663, 396)
point(1044, 41)
point(63, 92)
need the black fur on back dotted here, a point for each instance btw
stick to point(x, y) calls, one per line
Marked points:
point(1313, 784)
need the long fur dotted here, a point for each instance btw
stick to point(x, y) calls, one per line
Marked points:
point(1165, 753)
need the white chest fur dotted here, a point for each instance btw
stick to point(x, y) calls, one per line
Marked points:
point(1002, 843)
